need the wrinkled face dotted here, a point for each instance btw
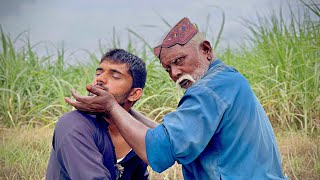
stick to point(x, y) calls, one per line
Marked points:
point(115, 79)
point(185, 64)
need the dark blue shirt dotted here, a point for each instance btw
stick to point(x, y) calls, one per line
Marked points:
point(219, 131)
point(132, 168)
point(82, 149)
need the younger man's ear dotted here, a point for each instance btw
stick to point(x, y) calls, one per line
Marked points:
point(135, 94)
point(206, 48)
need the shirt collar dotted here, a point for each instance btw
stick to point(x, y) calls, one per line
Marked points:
point(214, 63)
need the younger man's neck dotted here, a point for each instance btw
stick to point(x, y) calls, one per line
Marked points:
point(112, 127)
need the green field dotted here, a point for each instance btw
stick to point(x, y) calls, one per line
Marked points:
point(281, 61)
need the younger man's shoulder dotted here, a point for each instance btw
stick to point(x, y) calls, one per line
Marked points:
point(74, 119)
point(73, 127)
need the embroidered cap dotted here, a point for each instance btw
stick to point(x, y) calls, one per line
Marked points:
point(181, 33)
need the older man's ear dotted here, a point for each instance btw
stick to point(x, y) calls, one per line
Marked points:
point(206, 48)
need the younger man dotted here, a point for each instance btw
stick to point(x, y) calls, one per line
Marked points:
point(91, 147)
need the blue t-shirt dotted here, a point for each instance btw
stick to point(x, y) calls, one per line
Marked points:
point(219, 131)
point(82, 149)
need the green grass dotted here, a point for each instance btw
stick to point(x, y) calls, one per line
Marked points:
point(281, 62)
point(24, 154)
point(32, 87)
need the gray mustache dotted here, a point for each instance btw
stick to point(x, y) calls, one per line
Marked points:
point(184, 77)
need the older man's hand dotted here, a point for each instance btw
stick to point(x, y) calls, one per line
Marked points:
point(101, 103)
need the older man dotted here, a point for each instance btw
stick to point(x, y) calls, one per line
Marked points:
point(218, 131)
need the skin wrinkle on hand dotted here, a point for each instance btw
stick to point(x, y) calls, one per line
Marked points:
point(95, 90)
point(81, 101)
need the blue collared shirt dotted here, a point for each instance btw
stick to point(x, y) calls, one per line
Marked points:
point(219, 131)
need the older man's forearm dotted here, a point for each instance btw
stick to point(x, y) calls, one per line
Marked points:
point(143, 119)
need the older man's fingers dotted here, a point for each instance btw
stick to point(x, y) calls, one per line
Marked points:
point(94, 90)
point(73, 103)
point(69, 101)
point(78, 105)
point(83, 99)
point(89, 87)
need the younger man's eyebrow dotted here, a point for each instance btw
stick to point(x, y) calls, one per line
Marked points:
point(99, 69)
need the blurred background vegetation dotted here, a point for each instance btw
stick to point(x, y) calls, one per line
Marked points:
point(281, 60)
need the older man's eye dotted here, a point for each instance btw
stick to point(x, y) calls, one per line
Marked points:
point(168, 70)
point(178, 61)
point(175, 61)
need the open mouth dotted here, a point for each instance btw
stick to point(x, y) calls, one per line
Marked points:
point(184, 83)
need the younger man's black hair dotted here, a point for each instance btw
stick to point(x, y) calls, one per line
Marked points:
point(136, 66)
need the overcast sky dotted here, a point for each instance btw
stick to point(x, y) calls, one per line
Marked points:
point(81, 24)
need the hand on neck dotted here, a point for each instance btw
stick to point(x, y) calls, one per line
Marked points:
point(113, 130)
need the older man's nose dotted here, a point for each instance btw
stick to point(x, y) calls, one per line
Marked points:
point(176, 73)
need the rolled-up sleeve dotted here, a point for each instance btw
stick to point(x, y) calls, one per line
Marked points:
point(158, 145)
point(185, 133)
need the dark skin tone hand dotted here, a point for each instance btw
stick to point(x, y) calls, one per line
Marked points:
point(133, 131)
point(101, 103)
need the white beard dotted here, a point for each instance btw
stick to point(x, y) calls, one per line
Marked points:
point(197, 75)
